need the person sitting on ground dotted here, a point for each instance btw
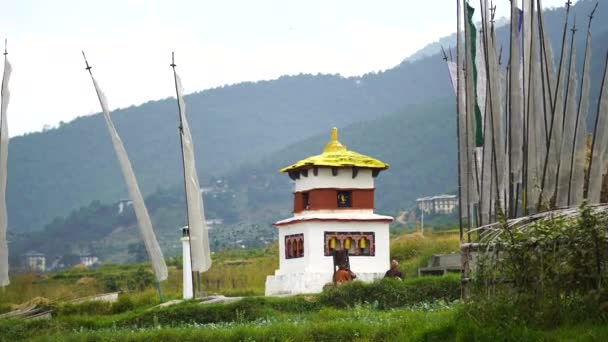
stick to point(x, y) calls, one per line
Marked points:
point(343, 275)
point(394, 271)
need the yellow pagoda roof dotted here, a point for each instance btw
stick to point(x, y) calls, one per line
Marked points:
point(336, 155)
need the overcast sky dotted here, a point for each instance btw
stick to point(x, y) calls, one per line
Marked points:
point(129, 44)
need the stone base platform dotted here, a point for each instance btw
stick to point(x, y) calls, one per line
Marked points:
point(300, 283)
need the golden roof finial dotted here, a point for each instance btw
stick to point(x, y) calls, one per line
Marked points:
point(334, 145)
point(334, 134)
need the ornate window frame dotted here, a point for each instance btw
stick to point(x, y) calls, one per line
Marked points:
point(355, 242)
point(294, 246)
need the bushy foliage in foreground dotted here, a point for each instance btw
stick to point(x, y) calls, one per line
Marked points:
point(324, 325)
point(393, 293)
point(309, 318)
point(360, 323)
point(131, 312)
point(551, 272)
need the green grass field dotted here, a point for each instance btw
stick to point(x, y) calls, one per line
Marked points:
point(416, 309)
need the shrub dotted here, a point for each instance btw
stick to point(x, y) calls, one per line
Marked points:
point(85, 308)
point(123, 304)
point(392, 293)
point(140, 280)
point(110, 283)
point(551, 270)
point(193, 312)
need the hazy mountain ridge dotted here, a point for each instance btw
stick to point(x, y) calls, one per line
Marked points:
point(255, 195)
point(53, 172)
point(56, 171)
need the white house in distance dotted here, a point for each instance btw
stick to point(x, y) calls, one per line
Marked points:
point(333, 210)
point(35, 262)
point(442, 204)
point(88, 259)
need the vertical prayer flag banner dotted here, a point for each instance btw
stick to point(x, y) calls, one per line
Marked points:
point(5, 95)
point(579, 157)
point(522, 133)
point(143, 218)
point(471, 119)
point(199, 235)
point(463, 180)
point(568, 134)
point(597, 165)
point(472, 38)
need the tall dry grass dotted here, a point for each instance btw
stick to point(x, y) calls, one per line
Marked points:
point(413, 250)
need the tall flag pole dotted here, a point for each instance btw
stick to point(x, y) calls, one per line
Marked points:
point(516, 124)
point(487, 160)
point(529, 141)
point(460, 122)
point(181, 141)
point(535, 129)
point(562, 198)
point(493, 173)
point(144, 223)
point(550, 170)
point(579, 151)
point(597, 167)
point(199, 236)
point(5, 95)
point(548, 80)
point(473, 134)
point(463, 179)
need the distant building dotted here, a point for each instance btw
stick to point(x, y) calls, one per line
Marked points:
point(123, 204)
point(88, 260)
point(442, 204)
point(34, 261)
point(214, 222)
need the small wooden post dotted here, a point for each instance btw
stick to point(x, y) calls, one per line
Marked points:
point(160, 292)
point(466, 270)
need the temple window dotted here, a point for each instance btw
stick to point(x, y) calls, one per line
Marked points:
point(344, 199)
point(306, 200)
point(357, 243)
point(294, 246)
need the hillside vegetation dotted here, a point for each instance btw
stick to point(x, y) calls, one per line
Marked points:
point(62, 169)
point(412, 141)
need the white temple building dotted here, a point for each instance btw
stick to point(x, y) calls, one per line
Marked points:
point(333, 210)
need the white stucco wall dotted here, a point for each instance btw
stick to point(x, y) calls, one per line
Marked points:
point(314, 259)
point(309, 273)
point(343, 180)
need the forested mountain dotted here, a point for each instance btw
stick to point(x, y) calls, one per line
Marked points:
point(53, 172)
point(56, 171)
point(416, 142)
